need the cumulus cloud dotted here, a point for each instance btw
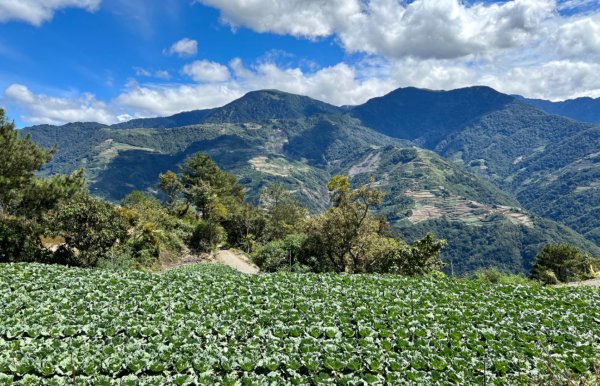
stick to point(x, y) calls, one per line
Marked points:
point(339, 84)
point(556, 80)
point(206, 71)
point(422, 28)
point(184, 48)
point(42, 108)
point(578, 36)
point(37, 12)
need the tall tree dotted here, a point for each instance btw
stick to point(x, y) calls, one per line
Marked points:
point(348, 233)
point(208, 188)
point(24, 197)
point(283, 212)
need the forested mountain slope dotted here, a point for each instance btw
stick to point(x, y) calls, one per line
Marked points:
point(581, 109)
point(270, 136)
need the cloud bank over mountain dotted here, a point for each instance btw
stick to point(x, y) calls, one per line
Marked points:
point(537, 48)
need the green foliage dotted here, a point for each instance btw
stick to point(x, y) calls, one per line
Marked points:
point(211, 190)
point(419, 259)
point(207, 324)
point(20, 240)
point(284, 213)
point(25, 198)
point(90, 227)
point(19, 160)
point(351, 239)
point(285, 254)
point(153, 231)
point(347, 234)
point(493, 275)
point(244, 224)
point(207, 236)
point(564, 262)
point(170, 185)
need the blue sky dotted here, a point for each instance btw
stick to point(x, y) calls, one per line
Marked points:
point(111, 60)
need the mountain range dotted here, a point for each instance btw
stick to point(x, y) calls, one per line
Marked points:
point(494, 174)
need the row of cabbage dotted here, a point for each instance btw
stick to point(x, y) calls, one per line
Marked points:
point(211, 325)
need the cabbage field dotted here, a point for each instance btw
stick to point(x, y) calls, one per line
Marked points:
point(211, 325)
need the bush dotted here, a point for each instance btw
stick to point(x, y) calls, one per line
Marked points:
point(90, 227)
point(494, 276)
point(566, 262)
point(19, 240)
point(207, 236)
point(119, 258)
point(282, 255)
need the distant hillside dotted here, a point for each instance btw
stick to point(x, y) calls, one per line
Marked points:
point(426, 116)
point(580, 109)
point(255, 106)
point(425, 193)
point(563, 182)
point(501, 138)
point(270, 136)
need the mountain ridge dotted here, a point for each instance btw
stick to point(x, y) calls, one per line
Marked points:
point(270, 136)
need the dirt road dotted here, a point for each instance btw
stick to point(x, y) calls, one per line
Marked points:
point(589, 283)
point(236, 261)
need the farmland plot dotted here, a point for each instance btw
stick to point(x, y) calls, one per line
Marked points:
point(212, 325)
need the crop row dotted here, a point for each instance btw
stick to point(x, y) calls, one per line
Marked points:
point(214, 326)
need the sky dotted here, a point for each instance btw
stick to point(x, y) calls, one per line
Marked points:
point(113, 60)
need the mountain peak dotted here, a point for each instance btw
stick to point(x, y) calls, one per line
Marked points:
point(412, 113)
point(263, 105)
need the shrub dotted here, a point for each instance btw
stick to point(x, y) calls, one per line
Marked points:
point(207, 236)
point(90, 227)
point(19, 240)
point(494, 276)
point(566, 262)
point(282, 255)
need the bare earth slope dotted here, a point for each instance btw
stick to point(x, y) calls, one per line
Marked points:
point(236, 261)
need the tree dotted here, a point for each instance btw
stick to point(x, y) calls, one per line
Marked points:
point(244, 225)
point(208, 188)
point(20, 158)
point(284, 214)
point(90, 227)
point(281, 255)
point(171, 186)
point(562, 262)
point(351, 239)
point(418, 259)
point(347, 234)
point(21, 191)
point(153, 230)
point(24, 197)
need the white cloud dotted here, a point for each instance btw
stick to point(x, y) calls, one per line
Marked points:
point(159, 74)
point(152, 100)
point(184, 48)
point(556, 80)
point(578, 36)
point(206, 71)
point(37, 12)
point(421, 29)
point(339, 84)
point(41, 108)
